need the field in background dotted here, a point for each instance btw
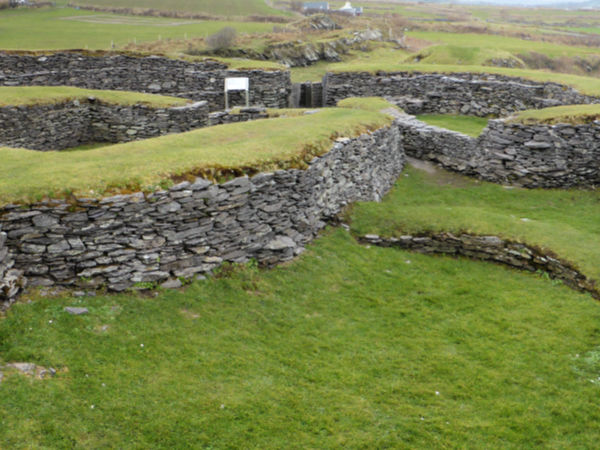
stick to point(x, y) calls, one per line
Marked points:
point(237, 8)
point(49, 28)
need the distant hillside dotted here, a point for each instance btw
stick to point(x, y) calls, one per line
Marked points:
point(562, 4)
point(228, 8)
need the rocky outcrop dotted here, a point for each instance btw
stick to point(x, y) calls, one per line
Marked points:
point(200, 80)
point(491, 248)
point(546, 156)
point(302, 54)
point(74, 123)
point(11, 280)
point(460, 93)
point(194, 227)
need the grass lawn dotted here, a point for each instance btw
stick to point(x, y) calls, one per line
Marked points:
point(62, 28)
point(574, 114)
point(43, 95)
point(563, 221)
point(269, 144)
point(380, 349)
point(472, 126)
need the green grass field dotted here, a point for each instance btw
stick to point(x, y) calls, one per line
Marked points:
point(347, 346)
point(27, 175)
point(563, 221)
point(41, 95)
point(472, 126)
point(62, 28)
point(213, 7)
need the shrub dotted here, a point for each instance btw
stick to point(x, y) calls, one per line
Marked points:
point(223, 38)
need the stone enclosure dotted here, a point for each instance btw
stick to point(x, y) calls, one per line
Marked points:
point(74, 123)
point(460, 93)
point(194, 227)
point(196, 80)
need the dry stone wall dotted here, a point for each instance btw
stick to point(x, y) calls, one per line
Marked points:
point(556, 156)
point(193, 227)
point(460, 93)
point(74, 123)
point(547, 156)
point(202, 80)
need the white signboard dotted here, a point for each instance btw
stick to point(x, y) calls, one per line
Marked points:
point(236, 84)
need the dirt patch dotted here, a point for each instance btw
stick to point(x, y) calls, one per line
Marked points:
point(439, 176)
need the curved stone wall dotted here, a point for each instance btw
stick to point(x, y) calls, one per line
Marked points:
point(201, 80)
point(193, 227)
point(547, 156)
point(460, 93)
point(70, 124)
point(491, 248)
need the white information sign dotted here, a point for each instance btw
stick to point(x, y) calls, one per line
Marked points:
point(236, 84)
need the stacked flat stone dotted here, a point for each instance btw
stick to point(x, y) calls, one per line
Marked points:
point(74, 123)
point(460, 93)
point(194, 227)
point(201, 80)
point(546, 156)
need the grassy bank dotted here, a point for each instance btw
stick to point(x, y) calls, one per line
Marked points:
point(563, 221)
point(44, 95)
point(27, 175)
point(472, 126)
point(573, 114)
point(346, 347)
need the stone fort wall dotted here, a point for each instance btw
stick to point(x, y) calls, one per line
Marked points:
point(460, 93)
point(201, 80)
point(74, 123)
point(194, 227)
point(533, 156)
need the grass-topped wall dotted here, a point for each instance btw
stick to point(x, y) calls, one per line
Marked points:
point(56, 118)
point(311, 165)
